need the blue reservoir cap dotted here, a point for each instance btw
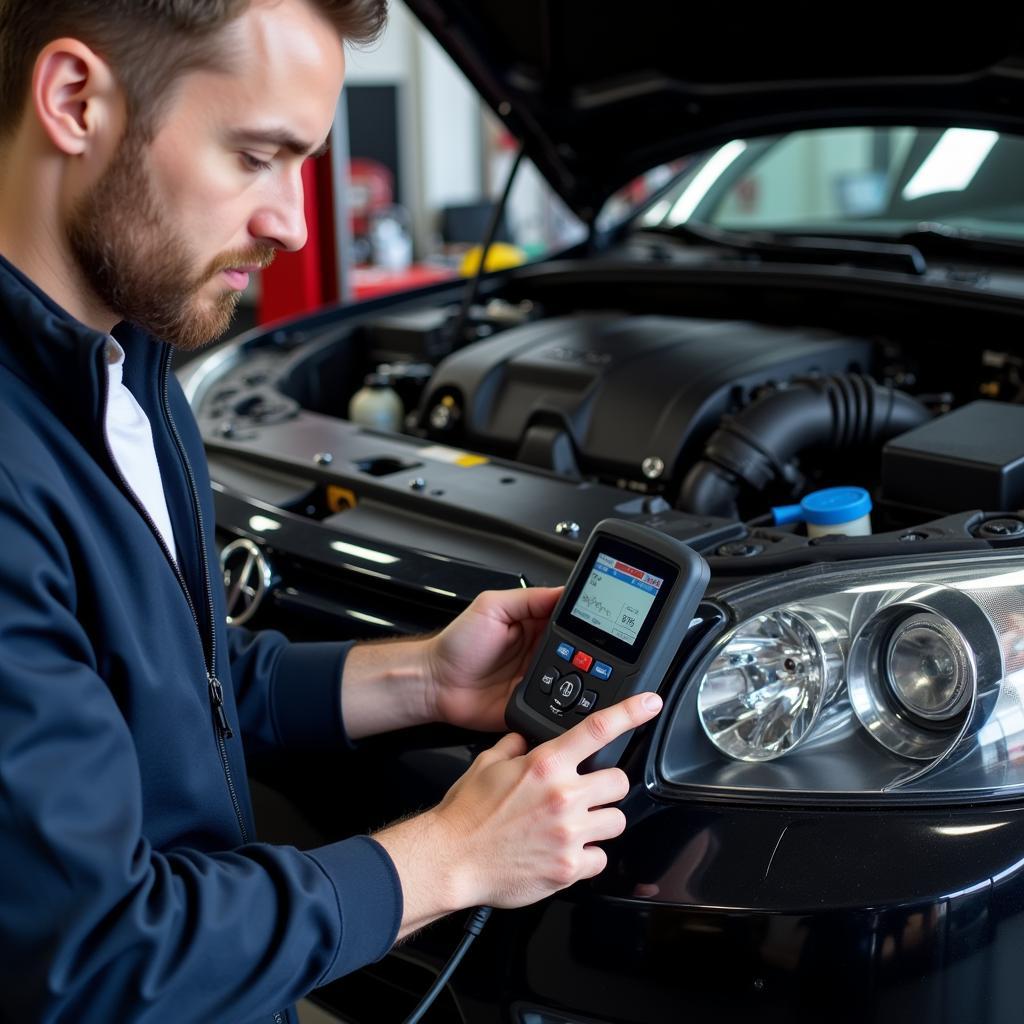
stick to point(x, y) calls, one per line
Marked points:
point(826, 507)
point(835, 505)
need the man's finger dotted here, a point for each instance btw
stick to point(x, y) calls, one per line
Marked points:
point(510, 745)
point(608, 786)
point(604, 824)
point(600, 727)
point(521, 603)
point(593, 861)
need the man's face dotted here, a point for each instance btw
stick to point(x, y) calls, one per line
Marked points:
point(168, 235)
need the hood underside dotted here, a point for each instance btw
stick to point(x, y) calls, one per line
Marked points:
point(600, 92)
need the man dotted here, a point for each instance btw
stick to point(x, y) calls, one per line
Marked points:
point(150, 158)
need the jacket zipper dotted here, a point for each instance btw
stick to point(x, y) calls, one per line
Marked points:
point(221, 727)
point(220, 719)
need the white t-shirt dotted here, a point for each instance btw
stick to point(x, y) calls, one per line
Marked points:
point(131, 441)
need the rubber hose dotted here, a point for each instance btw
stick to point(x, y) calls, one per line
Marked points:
point(752, 448)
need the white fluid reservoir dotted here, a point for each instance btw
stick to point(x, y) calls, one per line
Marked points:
point(844, 510)
point(376, 404)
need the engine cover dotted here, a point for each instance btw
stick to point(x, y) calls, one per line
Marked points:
point(620, 389)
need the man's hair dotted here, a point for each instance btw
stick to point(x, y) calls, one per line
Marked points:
point(149, 44)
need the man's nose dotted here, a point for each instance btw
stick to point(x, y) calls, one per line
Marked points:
point(281, 217)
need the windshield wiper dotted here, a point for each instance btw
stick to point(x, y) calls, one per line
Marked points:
point(945, 240)
point(900, 255)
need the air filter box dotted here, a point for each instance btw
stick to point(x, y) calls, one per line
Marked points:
point(970, 458)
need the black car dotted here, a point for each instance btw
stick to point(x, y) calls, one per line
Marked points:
point(827, 821)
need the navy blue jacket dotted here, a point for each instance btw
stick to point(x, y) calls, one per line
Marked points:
point(131, 884)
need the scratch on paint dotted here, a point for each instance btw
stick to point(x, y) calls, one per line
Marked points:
point(771, 859)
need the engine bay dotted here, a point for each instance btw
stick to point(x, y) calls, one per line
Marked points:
point(506, 449)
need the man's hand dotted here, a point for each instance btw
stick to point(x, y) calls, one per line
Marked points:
point(464, 675)
point(476, 661)
point(517, 826)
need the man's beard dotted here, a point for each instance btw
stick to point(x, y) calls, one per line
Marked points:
point(138, 265)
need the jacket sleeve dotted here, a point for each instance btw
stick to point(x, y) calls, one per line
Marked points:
point(288, 694)
point(96, 924)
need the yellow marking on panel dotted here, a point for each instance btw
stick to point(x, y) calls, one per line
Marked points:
point(340, 499)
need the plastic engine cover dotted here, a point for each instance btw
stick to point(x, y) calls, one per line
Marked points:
point(623, 388)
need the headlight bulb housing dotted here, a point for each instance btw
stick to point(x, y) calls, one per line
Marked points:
point(913, 669)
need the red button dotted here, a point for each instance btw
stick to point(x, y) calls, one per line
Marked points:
point(582, 661)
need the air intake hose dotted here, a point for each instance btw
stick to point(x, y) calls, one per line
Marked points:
point(752, 448)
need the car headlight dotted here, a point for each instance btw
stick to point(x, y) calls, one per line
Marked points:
point(881, 677)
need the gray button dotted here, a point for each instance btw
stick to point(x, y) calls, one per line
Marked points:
point(565, 693)
point(587, 702)
point(548, 679)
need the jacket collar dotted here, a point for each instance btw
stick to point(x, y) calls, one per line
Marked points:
point(62, 358)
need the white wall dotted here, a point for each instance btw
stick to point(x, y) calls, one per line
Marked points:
point(388, 60)
point(449, 130)
point(439, 119)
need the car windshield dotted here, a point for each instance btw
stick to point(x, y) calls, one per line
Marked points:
point(882, 181)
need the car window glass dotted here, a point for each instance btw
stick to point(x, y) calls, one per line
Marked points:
point(865, 180)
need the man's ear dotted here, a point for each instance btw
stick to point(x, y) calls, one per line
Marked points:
point(76, 96)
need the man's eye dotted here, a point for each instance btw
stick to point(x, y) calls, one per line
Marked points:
point(254, 163)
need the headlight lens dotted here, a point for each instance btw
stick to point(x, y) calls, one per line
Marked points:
point(928, 668)
point(862, 679)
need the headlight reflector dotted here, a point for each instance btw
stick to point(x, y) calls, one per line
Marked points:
point(764, 692)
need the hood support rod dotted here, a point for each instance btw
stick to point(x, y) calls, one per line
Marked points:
point(473, 286)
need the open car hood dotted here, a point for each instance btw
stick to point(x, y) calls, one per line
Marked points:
point(600, 92)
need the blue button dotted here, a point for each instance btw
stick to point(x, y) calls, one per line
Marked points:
point(601, 670)
point(565, 651)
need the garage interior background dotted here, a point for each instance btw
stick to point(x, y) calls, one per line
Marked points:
point(426, 159)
